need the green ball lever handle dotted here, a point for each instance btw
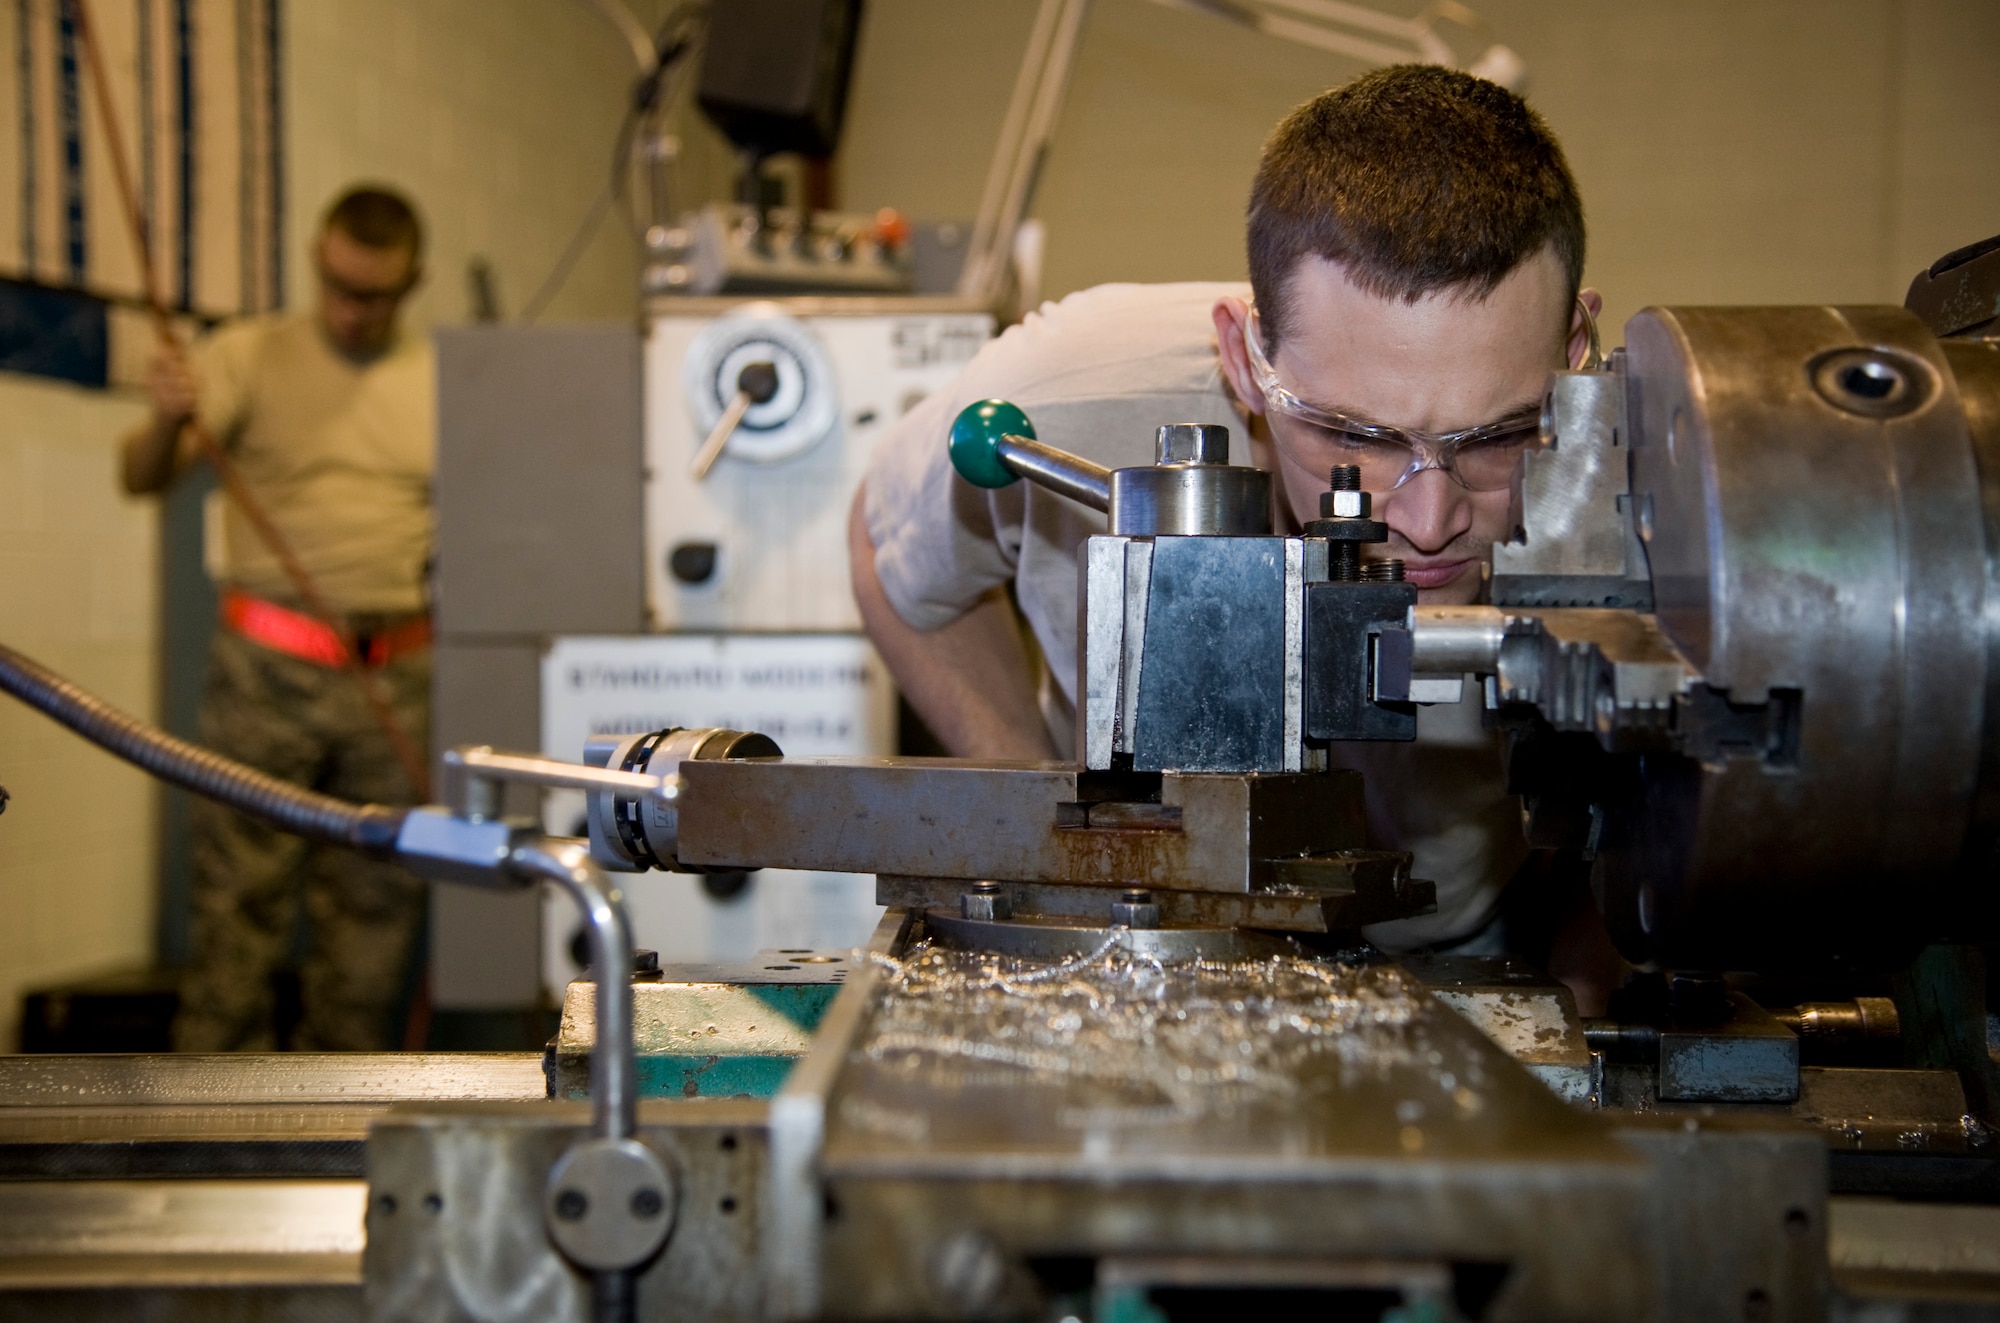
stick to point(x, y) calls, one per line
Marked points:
point(993, 445)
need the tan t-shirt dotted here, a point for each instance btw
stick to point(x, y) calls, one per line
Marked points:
point(339, 454)
point(1097, 373)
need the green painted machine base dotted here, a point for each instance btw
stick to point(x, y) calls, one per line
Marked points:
point(707, 1031)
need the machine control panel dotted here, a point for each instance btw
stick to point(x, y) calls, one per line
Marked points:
point(758, 541)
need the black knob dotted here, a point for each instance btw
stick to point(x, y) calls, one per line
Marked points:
point(725, 886)
point(692, 562)
point(759, 381)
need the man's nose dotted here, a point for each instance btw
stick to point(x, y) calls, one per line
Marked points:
point(1428, 511)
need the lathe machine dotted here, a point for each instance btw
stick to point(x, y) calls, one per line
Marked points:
point(1118, 1050)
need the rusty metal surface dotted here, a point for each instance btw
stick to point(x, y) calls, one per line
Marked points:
point(1063, 939)
point(1748, 1057)
point(311, 1139)
point(1855, 1109)
point(1306, 1059)
point(1741, 1217)
point(1959, 294)
point(278, 1077)
point(795, 1211)
point(1413, 1137)
point(1887, 1247)
point(1530, 1015)
point(1321, 894)
point(193, 1116)
point(1027, 822)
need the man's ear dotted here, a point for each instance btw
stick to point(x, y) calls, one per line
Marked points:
point(1577, 351)
point(1232, 316)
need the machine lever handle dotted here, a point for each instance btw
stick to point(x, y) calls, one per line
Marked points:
point(993, 445)
point(755, 384)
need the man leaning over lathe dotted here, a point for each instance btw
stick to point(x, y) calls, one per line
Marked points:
point(1416, 250)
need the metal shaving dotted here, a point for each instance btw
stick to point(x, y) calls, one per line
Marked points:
point(1177, 1038)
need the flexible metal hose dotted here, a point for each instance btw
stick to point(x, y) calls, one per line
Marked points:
point(369, 828)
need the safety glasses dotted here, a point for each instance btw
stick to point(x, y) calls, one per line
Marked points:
point(1483, 458)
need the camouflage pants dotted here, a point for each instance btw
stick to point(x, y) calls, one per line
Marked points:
point(312, 726)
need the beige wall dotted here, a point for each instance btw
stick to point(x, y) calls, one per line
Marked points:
point(1777, 151)
point(497, 116)
point(77, 594)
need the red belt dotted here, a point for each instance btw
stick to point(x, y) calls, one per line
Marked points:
point(296, 634)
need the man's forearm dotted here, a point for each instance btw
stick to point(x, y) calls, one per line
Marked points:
point(971, 680)
point(151, 454)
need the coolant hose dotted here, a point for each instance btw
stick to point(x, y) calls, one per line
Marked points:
point(369, 828)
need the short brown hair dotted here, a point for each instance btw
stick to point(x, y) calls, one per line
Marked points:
point(378, 218)
point(1414, 178)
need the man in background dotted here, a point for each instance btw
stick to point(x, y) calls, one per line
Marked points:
point(328, 420)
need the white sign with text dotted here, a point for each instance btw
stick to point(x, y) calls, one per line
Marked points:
point(812, 693)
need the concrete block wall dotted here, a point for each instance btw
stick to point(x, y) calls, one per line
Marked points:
point(77, 593)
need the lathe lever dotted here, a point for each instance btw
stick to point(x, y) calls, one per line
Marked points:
point(993, 445)
point(756, 384)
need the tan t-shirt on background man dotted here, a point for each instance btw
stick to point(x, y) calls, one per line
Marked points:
point(339, 454)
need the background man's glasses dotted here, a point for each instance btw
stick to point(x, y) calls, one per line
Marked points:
point(374, 298)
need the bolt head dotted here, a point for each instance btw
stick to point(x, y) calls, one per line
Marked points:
point(986, 902)
point(1135, 908)
point(1193, 443)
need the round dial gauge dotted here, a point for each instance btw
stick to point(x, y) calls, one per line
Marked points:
point(797, 416)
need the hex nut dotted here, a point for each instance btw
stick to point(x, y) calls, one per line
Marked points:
point(1135, 909)
point(1193, 443)
point(985, 902)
